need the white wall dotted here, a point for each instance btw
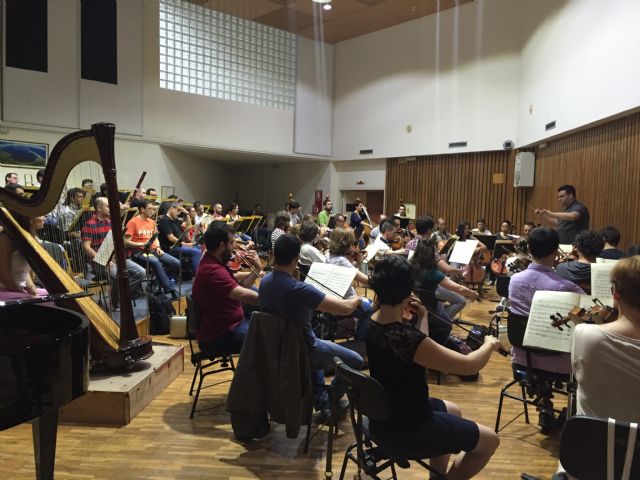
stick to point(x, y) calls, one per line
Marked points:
point(450, 77)
point(579, 65)
point(193, 177)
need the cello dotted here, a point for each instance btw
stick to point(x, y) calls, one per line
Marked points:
point(112, 345)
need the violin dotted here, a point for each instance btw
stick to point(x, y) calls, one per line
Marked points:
point(597, 314)
point(356, 255)
point(562, 257)
point(239, 261)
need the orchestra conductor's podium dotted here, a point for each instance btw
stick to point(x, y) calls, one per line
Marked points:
point(116, 398)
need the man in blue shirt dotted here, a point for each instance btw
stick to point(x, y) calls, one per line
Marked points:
point(283, 295)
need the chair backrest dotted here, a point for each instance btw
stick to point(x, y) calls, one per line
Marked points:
point(502, 285)
point(584, 449)
point(193, 315)
point(516, 326)
point(365, 393)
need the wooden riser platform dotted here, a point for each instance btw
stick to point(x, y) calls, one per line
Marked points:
point(117, 399)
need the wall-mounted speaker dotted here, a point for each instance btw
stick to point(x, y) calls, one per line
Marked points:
point(524, 169)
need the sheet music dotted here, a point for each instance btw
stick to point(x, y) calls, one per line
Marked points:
point(337, 278)
point(371, 250)
point(606, 260)
point(601, 283)
point(566, 248)
point(105, 250)
point(539, 332)
point(463, 251)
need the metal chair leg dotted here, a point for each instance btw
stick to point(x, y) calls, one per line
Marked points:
point(526, 406)
point(195, 374)
point(195, 399)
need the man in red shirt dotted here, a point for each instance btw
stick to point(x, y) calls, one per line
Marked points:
point(139, 231)
point(220, 294)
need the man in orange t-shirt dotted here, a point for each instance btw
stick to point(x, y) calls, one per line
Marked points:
point(139, 232)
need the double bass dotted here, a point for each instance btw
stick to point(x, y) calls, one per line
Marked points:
point(112, 345)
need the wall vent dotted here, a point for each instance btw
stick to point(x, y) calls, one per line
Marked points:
point(457, 144)
point(366, 152)
point(550, 126)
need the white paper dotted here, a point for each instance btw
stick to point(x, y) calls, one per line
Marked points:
point(371, 250)
point(566, 248)
point(463, 251)
point(338, 279)
point(601, 282)
point(105, 250)
point(540, 333)
point(606, 260)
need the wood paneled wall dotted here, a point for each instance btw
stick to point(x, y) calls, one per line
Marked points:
point(457, 187)
point(602, 162)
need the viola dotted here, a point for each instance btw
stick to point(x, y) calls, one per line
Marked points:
point(598, 314)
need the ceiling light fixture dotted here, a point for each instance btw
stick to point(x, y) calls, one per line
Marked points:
point(327, 6)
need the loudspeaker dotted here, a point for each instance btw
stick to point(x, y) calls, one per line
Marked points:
point(524, 169)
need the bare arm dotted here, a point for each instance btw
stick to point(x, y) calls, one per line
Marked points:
point(447, 269)
point(431, 355)
point(91, 253)
point(362, 279)
point(339, 306)
point(244, 295)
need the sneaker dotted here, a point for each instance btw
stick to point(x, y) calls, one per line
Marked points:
point(324, 415)
point(547, 422)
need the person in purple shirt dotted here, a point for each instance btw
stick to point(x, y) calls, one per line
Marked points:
point(543, 246)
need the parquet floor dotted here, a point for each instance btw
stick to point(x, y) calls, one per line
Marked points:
point(163, 443)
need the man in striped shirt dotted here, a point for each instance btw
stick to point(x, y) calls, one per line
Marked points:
point(93, 234)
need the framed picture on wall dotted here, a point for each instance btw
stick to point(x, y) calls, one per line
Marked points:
point(23, 154)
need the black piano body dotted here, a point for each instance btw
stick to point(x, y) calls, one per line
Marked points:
point(44, 365)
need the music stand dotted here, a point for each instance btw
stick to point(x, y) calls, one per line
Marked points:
point(243, 226)
point(447, 246)
point(503, 247)
point(489, 241)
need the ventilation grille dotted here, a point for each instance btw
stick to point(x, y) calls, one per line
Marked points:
point(457, 144)
point(550, 126)
point(366, 152)
point(284, 3)
point(370, 3)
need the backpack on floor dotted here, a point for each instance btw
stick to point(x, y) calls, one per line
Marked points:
point(160, 312)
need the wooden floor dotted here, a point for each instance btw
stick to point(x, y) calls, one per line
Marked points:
point(163, 443)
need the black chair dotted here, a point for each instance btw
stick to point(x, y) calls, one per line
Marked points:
point(205, 363)
point(502, 289)
point(584, 446)
point(374, 453)
point(536, 386)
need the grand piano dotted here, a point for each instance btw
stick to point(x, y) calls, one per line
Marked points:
point(44, 365)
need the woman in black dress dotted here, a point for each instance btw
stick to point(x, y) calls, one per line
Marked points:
point(398, 354)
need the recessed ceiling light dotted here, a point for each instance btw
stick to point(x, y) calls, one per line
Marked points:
point(327, 6)
point(321, 1)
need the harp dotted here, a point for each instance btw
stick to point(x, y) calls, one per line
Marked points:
point(112, 345)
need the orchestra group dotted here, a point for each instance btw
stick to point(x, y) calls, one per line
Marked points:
point(406, 326)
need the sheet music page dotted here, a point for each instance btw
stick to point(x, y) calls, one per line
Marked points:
point(371, 250)
point(565, 248)
point(337, 278)
point(605, 260)
point(105, 250)
point(539, 332)
point(463, 251)
point(411, 254)
point(601, 283)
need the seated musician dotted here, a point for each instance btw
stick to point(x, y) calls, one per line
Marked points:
point(219, 293)
point(539, 275)
point(606, 358)
point(441, 234)
point(481, 227)
point(295, 212)
point(325, 214)
point(526, 229)
point(15, 272)
point(402, 211)
point(388, 232)
point(588, 244)
point(505, 231)
point(308, 252)
point(171, 238)
point(137, 198)
point(69, 210)
point(138, 232)
point(11, 178)
point(281, 226)
point(199, 212)
point(398, 354)
point(428, 277)
point(233, 213)
point(15, 188)
point(343, 252)
point(611, 237)
point(217, 212)
point(464, 233)
point(282, 294)
point(94, 232)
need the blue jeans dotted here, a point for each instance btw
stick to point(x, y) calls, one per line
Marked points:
point(192, 252)
point(158, 265)
point(229, 343)
point(455, 300)
point(321, 356)
point(363, 314)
